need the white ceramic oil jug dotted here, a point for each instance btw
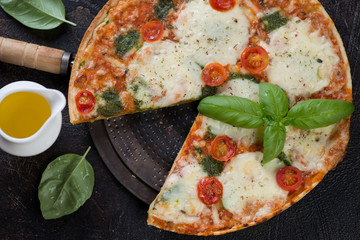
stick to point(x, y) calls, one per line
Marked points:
point(48, 131)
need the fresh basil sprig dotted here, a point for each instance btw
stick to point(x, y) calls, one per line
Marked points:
point(65, 185)
point(318, 113)
point(272, 111)
point(38, 14)
point(237, 111)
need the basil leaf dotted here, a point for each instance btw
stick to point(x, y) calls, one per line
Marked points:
point(65, 185)
point(38, 14)
point(273, 101)
point(124, 43)
point(316, 113)
point(236, 111)
point(162, 8)
point(274, 139)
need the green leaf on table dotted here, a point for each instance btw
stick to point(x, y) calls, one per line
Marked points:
point(65, 185)
point(316, 113)
point(236, 111)
point(274, 139)
point(273, 101)
point(38, 14)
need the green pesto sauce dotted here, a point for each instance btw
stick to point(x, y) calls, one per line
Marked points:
point(212, 166)
point(208, 91)
point(273, 21)
point(209, 134)
point(162, 8)
point(285, 159)
point(112, 103)
point(124, 43)
point(198, 150)
point(235, 75)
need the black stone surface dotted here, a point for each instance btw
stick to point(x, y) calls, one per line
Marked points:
point(330, 211)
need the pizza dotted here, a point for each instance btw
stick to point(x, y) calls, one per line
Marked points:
point(139, 55)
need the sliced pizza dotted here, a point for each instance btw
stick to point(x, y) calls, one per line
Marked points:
point(139, 55)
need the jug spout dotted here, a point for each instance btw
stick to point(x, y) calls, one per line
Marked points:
point(55, 99)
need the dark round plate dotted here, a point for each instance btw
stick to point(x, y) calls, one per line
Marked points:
point(139, 149)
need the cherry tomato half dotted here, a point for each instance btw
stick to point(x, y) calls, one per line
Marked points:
point(222, 148)
point(289, 178)
point(85, 101)
point(222, 5)
point(210, 190)
point(255, 59)
point(214, 74)
point(152, 31)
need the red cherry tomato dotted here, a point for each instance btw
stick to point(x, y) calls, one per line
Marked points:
point(255, 59)
point(85, 101)
point(214, 74)
point(222, 148)
point(289, 178)
point(210, 190)
point(152, 31)
point(222, 5)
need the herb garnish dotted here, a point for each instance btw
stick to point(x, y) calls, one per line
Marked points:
point(124, 43)
point(162, 8)
point(273, 21)
point(235, 75)
point(285, 159)
point(65, 185)
point(208, 91)
point(112, 103)
point(272, 111)
point(212, 166)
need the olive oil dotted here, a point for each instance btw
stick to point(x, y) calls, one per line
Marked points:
point(23, 113)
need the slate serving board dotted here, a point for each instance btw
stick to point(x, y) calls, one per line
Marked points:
point(330, 211)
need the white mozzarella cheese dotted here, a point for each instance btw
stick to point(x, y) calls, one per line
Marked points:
point(245, 181)
point(307, 148)
point(212, 36)
point(180, 202)
point(301, 61)
point(163, 75)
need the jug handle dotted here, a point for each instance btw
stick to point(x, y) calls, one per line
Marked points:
point(34, 56)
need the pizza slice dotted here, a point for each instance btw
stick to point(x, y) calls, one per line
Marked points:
point(219, 182)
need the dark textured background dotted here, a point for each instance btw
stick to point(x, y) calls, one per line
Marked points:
point(330, 211)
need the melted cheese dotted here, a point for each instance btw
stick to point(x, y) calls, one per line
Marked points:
point(208, 35)
point(246, 181)
point(166, 72)
point(164, 75)
point(307, 148)
point(179, 201)
point(301, 61)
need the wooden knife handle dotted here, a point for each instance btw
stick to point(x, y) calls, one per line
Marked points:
point(31, 55)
